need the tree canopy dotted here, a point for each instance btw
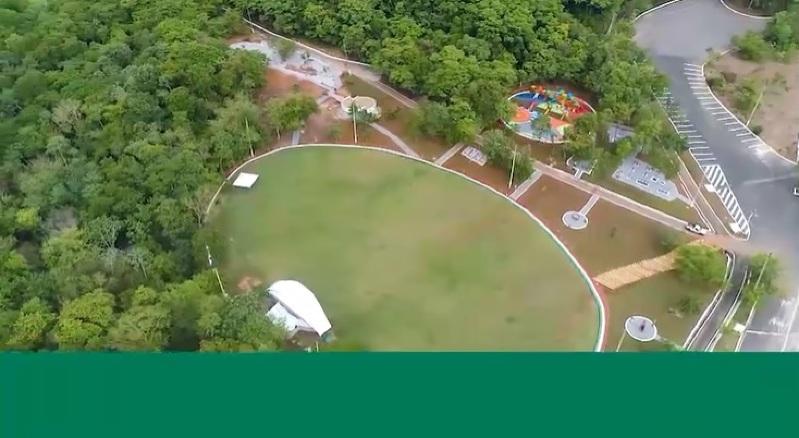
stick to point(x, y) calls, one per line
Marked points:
point(115, 118)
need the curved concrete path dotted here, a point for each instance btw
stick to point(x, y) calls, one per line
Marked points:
point(754, 182)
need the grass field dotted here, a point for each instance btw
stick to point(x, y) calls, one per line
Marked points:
point(404, 256)
point(657, 298)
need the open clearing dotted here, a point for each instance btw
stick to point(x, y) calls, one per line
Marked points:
point(404, 256)
point(778, 113)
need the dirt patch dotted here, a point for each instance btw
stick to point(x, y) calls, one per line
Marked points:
point(614, 237)
point(248, 283)
point(280, 84)
point(778, 113)
point(324, 127)
point(488, 175)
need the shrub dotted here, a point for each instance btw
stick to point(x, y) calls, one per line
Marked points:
point(729, 77)
point(752, 46)
point(746, 94)
point(757, 129)
point(499, 150)
point(716, 82)
point(669, 241)
point(701, 264)
point(689, 305)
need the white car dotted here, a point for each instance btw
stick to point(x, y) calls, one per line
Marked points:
point(697, 229)
point(796, 191)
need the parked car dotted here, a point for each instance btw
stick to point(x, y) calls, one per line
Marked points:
point(796, 191)
point(697, 229)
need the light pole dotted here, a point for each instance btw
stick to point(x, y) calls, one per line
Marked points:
point(512, 167)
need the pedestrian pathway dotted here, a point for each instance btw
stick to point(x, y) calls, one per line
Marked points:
point(523, 187)
point(612, 197)
point(397, 141)
point(451, 152)
point(589, 205)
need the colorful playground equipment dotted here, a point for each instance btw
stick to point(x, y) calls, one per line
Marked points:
point(561, 106)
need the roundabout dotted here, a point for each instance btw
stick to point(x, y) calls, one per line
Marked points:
point(404, 255)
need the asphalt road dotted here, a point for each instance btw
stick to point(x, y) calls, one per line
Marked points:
point(755, 182)
point(715, 319)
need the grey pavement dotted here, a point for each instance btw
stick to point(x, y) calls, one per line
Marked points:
point(715, 319)
point(677, 38)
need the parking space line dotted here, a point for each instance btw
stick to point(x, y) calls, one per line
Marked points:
point(750, 139)
point(725, 118)
point(685, 132)
point(730, 123)
point(742, 134)
point(740, 128)
point(719, 112)
point(699, 147)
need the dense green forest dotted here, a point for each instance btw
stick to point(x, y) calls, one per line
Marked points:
point(118, 119)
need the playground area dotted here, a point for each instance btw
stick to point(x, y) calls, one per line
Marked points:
point(403, 255)
point(544, 114)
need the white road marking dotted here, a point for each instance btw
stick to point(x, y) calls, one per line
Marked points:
point(749, 139)
point(742, 134)
point(740, 128)
point(725, 118)
point(701, 154)
point(699, 147)
point(685, 132)
point(719, 112)
point(731, 123)
point(704, 97)
point(790, 326)
point(705, 159)
point(691, 65)
point(761, 332)
point(693, 142)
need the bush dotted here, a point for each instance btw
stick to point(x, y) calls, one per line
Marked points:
point(716, 82)
point(669, 241)
point(701, 264)
point(752, 46)
point(757, 129)
point(729, 77)
point(689, 305)
point(499, 150)
point(746, 94)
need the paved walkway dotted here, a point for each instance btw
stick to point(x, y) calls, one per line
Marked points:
point(449, 154)
point(612, 197)
point(523, 187)
point(397, 141)
point(589, 205)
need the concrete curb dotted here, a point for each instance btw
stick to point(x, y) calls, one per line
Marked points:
point(650, 10)
point(586, 278)
point(744, 14)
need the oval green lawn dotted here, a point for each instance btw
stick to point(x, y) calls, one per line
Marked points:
point(404, 256)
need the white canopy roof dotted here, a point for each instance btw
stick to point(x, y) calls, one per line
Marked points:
point(301, 303)
point(245, 180)
point(280, 315)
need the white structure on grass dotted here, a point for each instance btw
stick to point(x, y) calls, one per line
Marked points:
point(245, 180)
point(297, 309)
point(364, 103)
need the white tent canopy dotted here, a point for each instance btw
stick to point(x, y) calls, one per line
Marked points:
point(245, 180)
point(281, 316)
point(301, 304)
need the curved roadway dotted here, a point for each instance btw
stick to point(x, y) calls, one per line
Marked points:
point(753, 182)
